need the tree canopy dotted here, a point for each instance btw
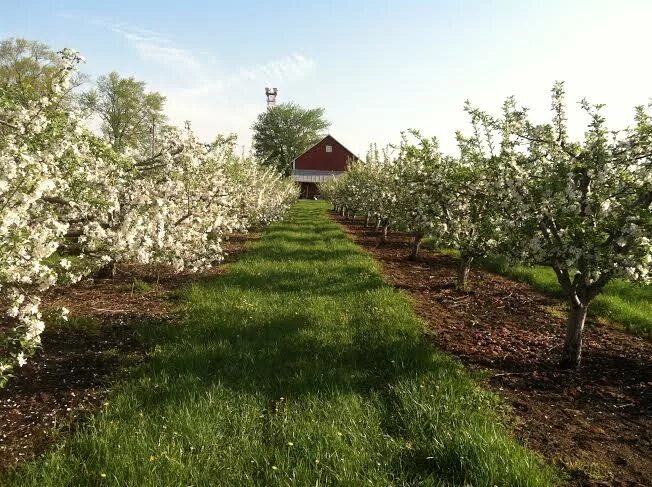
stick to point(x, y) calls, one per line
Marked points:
point(28, 70)
point(128, 112)
point(286, 130)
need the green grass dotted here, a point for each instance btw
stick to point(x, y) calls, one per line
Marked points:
point(298, 366)
point(140, 286)
point(622, 302)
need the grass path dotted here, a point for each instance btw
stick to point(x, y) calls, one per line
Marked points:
point(299, 366)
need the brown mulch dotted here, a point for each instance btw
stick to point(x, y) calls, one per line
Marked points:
point(595, 423)
point(70, 375)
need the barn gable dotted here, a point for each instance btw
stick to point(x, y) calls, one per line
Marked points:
point(326, 159)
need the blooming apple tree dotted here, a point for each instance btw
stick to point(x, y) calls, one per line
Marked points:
point(422, 188)
point(70, 205)
point(38, 144)
point(472, 194)
point(259, 195)
point(584, 208)
point(367, 188)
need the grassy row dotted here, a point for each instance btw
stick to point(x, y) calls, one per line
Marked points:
point(299, 366)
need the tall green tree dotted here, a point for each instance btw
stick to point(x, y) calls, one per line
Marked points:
point(284, 131)
point(127, 111)
point(28, 70)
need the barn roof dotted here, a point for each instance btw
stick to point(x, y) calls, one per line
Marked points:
point(320, 141)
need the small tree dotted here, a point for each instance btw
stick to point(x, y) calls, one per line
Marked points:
point(471, 200)
point(127, 111)
point(582, 207)
point(422, 198)
point(284, 131)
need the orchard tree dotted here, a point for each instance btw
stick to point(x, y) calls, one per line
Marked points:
point(379, 180)
point(130, 115)
point(42, 153)
point(422, 192)
point(582, 207)
point(371, 187)
point(471, 194)
point(259, 194)
point(284, 131)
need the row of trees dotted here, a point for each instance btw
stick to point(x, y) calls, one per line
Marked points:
point(524, 190)
point(73, 203)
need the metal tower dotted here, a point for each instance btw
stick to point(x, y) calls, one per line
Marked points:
point(271, 96)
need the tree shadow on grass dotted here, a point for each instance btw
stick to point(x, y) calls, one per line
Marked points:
point(323, 326)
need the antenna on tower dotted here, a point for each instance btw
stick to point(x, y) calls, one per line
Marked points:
point(271, 96)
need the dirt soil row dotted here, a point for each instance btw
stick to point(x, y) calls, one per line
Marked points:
point(595, 423)
point(70, 375)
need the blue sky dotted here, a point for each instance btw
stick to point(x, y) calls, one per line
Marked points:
point(378, 67)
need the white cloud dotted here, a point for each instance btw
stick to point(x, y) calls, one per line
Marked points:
point(289, 67)
point(154, 47)
point(214, 100)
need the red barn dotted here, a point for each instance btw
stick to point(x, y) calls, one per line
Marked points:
point(324, 160)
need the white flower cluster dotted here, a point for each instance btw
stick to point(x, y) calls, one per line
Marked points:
point(425, 193)
point(70, 205)
point(585, 208)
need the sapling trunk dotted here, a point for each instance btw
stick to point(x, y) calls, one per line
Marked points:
point(383, 237)
point(463, 271)
point(366, 220)
point(378, 223)
point(416, 245)
point(572, 353)
point(108, 271)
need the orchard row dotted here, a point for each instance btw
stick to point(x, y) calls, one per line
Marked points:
point(70, 205)
point(524, 190)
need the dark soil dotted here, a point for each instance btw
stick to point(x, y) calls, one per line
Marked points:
point(595, 423)
point(70, 375)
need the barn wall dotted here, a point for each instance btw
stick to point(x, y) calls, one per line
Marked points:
point(318, 158)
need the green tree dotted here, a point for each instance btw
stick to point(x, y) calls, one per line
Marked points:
point(127, 111)
point(28, 70)
point(284, 131)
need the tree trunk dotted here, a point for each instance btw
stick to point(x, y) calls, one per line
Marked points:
point(416, 245)
point(366, 221)
point(383, 237)
point(108, 271)
point(572, 353)
point(463, 272)
point(353, 216)
point(377, 225)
